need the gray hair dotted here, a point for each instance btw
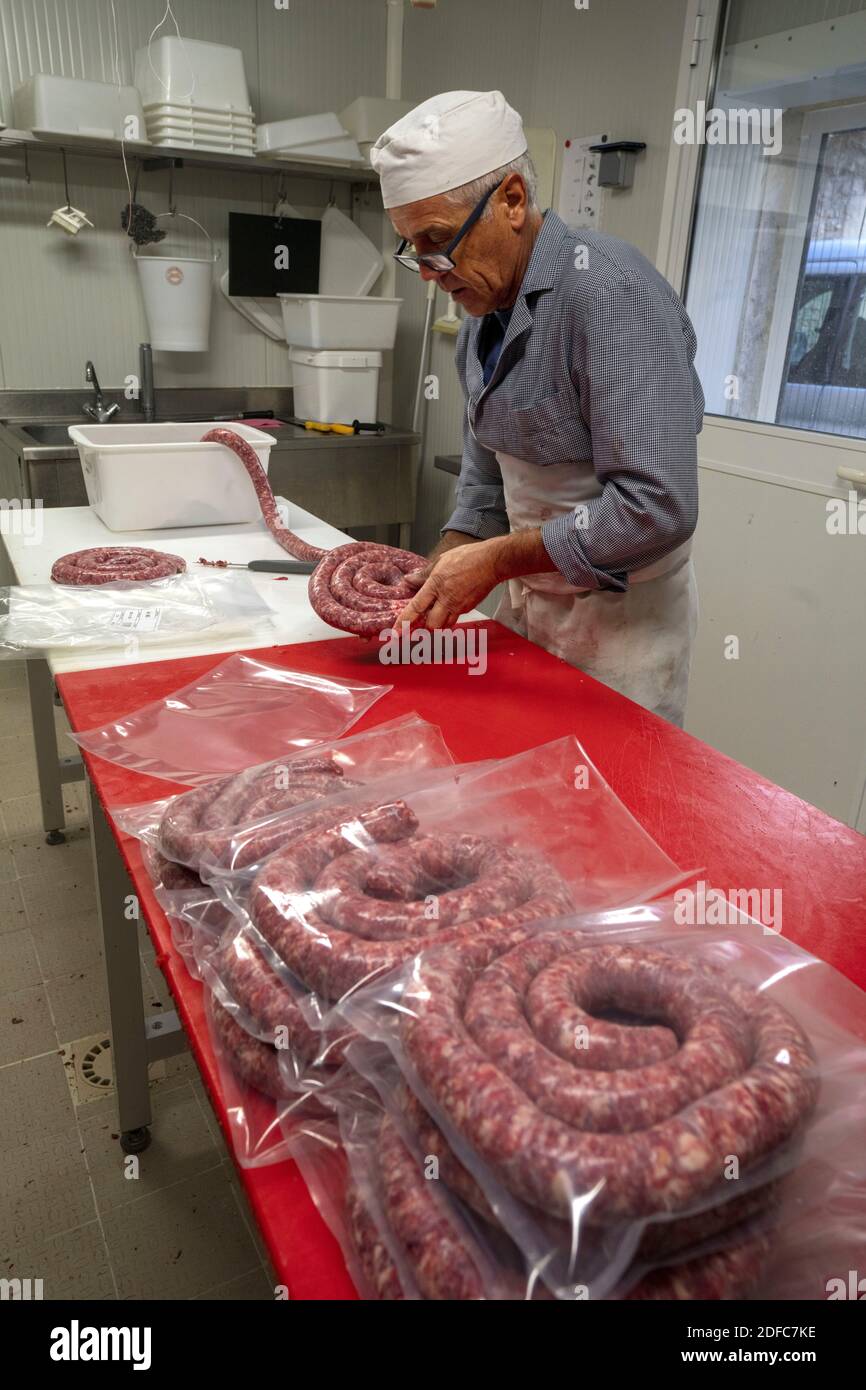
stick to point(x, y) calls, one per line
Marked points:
point(468, 194)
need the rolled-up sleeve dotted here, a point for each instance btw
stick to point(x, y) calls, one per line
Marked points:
point(480, 509)
point(637, 395)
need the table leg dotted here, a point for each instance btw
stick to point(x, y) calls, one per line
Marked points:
point(40, 684)
point(129, 1047)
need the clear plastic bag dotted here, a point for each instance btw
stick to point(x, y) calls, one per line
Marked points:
point(196, 917)
point(240, 713)
point(404, 1232)
point(260, 1112)
point(35, 618)
point(444, 855)
point(650, 1111)
point(252, 802)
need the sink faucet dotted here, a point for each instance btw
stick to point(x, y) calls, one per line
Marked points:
point(97, 409)
point(145, 378)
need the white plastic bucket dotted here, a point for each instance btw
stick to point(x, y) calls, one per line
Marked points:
point(336, 387)
point(177, 293)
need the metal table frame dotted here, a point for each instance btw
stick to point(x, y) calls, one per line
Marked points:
point(137, 1039)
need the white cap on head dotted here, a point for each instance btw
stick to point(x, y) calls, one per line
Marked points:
point(445, 142)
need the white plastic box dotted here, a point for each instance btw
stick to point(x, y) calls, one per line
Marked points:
point(148, 476)
point(299, 130)
point(50, 105)
point(367, 117)
point(335, 387)
point(364, 322)
point(209, 74)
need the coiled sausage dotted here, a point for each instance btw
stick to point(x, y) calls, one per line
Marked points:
point(107, 564)
point(562, 1103)
point(358, 587)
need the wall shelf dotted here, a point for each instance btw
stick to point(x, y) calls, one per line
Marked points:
point(296, 167)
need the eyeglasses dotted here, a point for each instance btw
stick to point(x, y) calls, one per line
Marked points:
point(440, 261)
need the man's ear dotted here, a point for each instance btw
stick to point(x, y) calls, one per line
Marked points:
point(513, 193)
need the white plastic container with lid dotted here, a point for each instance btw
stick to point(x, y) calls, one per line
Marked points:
point(143, 477)
point(363, 322)
point(336, 387)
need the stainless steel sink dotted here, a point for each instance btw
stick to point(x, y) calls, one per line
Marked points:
point(46, 434)
point(40, 438)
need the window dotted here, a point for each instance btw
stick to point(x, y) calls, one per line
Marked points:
point(777, 277)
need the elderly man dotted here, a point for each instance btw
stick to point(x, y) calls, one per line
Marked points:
point(578, 483)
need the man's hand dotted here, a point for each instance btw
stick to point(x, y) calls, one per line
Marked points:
point(454, 582)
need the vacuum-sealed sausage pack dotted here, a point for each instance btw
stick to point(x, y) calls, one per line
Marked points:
point(646, 1109)
point(373, 875)
point(200, 829)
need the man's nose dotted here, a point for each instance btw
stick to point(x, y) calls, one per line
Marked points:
point(428, 274)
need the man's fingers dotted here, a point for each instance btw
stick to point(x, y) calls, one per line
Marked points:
point(440, 615)
point(417, 605)
point(418, 577)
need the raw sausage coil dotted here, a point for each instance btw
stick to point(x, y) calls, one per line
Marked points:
point(202, 822)
point(270, 1004)
point(255, 1062)
point(337, 913)
point(110, 563)
point(446, 1261)
point(562, 1103)
point(358, 587)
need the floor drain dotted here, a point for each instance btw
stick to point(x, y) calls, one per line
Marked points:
point(88, 1068)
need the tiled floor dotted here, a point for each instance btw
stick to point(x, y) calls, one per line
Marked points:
point(69, 1213)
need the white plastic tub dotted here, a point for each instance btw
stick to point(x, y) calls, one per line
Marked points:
point(340, 321)
point(299, 130)
point(367, 117)
point(335, 387)
point(191, 70)
point(50, 105)
point(345, 150)
point(144, 477)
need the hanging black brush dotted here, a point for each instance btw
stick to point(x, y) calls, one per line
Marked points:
point(139, 222)
point(141, 226)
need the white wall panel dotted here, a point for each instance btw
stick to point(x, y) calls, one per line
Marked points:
point(319, 55)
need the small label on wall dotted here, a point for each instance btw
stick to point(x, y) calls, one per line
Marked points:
point(579, 194)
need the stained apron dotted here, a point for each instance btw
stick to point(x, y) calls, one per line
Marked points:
point(638, 642)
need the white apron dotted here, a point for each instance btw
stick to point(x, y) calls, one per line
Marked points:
point(638, 642)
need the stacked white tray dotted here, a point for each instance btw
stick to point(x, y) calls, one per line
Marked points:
point(200, 127)
point(195, 96)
